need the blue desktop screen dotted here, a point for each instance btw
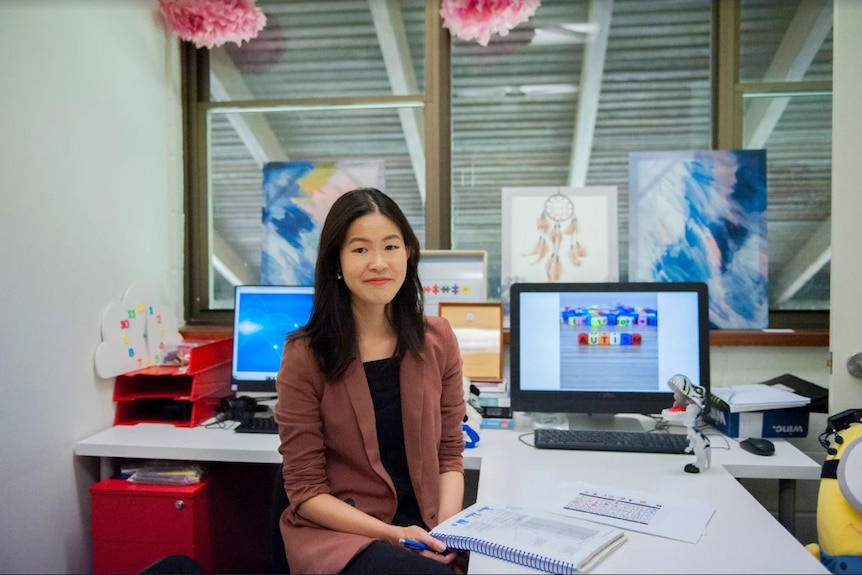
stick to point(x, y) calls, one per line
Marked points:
point(263, 318)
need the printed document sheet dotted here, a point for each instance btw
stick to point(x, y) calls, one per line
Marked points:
point(653, 513)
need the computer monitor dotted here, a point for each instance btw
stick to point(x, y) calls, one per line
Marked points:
point(263, 317)
point(605, 348)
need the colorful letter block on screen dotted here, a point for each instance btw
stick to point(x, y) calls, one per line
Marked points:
point(609, 338)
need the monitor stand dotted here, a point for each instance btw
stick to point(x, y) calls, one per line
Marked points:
point(605, 421)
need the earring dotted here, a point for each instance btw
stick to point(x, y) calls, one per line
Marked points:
point(338, 275)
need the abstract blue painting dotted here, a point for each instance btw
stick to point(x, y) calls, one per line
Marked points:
point(701, 216)
point(296, 198)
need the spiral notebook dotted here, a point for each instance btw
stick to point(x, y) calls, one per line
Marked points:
point(539, 539)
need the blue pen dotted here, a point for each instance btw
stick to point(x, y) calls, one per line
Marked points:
point(411, 544)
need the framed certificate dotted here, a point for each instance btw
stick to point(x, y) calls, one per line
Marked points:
point(452, 275)
point(479, 329)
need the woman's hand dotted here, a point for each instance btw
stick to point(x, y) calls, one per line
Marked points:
point(417, 534)
point(437, 549)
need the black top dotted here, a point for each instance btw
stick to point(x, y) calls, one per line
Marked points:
point(384, 383)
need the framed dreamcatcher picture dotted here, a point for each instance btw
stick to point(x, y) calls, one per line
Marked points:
point(559, 235)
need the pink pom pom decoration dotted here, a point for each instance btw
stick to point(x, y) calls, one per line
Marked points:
point(480, 19)
point(210, 23)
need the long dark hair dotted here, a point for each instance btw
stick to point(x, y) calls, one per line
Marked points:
point(331, 330)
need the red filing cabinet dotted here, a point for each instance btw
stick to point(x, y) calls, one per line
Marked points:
point(136, 524)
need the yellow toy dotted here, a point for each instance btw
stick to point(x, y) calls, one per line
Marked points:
point(839, 501)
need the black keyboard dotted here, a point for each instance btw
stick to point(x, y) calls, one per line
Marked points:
point(592, 440)
point(257, 425)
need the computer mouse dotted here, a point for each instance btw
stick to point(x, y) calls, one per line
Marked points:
point(758, 446)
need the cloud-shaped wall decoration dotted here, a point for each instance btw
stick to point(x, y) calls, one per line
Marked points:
point(135, 333)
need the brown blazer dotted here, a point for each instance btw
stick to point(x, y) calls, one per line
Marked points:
point(329, 442)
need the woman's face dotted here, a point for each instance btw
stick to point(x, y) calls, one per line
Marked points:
point(373, 260)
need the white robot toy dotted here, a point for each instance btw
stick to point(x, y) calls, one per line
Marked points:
point(688, 400)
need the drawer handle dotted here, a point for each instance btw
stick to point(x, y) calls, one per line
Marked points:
point(179, 504)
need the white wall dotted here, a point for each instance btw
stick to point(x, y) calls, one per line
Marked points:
point(90, 202)
point(846, 266)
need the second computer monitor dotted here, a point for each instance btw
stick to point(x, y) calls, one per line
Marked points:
point(263, 317)
point(605, 348)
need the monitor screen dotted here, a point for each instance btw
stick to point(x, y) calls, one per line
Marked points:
point(263, 317)
point(605, 348)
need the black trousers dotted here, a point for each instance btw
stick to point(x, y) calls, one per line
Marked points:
point(382, 558)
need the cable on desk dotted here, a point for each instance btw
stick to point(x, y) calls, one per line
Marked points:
point(220, 424)
point(523, 435)
point(724, 437)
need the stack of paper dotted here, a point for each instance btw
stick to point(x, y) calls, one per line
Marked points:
point(167, 473)
point(758, 397)
point(495, 388)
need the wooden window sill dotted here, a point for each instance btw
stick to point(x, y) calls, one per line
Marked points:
point(770, 338)
point(717, 337)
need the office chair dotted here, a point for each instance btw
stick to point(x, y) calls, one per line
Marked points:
point(279, 504)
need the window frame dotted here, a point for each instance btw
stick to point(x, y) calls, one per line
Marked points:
point(726, 120)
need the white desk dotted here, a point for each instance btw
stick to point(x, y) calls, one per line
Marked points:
point(742, 536)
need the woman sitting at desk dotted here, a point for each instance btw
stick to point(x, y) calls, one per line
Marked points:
point(370, 405)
